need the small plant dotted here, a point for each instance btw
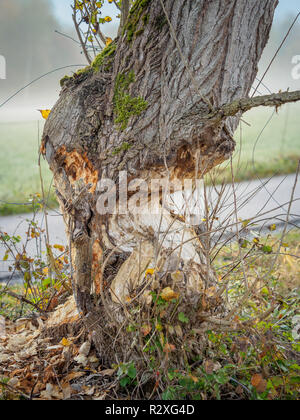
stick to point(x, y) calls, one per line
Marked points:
point(127, 374)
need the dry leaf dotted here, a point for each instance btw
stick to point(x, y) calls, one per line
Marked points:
point(85, 348)
point(51, 392)
point(73, 375)
point(168, 348)
point(194, 378)
point(259, 383)
point(178, 331)
point(146, 329)
point(81, 360)
point(210, 366)
point(168, 294)
point(67, 391)
point(107, 372)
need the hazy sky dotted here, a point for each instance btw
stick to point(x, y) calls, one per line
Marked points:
point(62, 9)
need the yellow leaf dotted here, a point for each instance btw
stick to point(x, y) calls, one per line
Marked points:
point(149, 272)
point(59, 247)
point(45, 113)
point(108, 40)
point(65, 342)
point(46, 270)
point(168, 294)
point(107, 19)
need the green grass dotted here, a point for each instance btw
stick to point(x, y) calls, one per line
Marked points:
point(263, 149)
point(19, 171)
point(277, 152)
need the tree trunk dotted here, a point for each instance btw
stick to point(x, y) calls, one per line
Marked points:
point(149, 107)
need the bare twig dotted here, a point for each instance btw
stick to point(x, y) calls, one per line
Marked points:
point(275, 55)
point(24, 300)
point(245, 104)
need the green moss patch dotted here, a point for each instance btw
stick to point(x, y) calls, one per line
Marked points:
point(137, 19)
point(126, 106)
point(104, 60)
point(123, 148)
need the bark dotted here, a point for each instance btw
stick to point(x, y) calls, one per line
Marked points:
point(156, 106)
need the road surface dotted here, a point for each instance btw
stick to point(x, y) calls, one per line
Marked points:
point(266, 201)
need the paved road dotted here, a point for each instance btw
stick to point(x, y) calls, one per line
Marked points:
point(267, 201)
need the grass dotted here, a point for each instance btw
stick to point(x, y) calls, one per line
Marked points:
point(255, 358)
point(275, 151)
point(19, 171)
point(270, 146)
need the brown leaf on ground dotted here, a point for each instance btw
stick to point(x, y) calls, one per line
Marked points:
point(259, 383)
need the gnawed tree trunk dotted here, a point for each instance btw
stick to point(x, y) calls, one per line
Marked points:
point(159, 102)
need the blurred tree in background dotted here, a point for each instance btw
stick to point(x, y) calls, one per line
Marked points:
point(31, 47)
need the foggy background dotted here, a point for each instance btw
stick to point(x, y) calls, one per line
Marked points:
point(31, 47)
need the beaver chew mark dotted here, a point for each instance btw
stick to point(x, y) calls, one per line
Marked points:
point(78, 167)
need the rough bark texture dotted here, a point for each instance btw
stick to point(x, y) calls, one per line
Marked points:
point(138, 109)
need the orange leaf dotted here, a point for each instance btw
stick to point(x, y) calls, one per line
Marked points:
point(169, 348)
point(146, 329)
point(168, 294)
point(259, 383)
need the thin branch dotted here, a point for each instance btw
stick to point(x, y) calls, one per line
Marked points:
point(24, 300)
point(245, 104)
point(79, 35)
point(96, 27)
point(117, 6)
point(275, 55)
